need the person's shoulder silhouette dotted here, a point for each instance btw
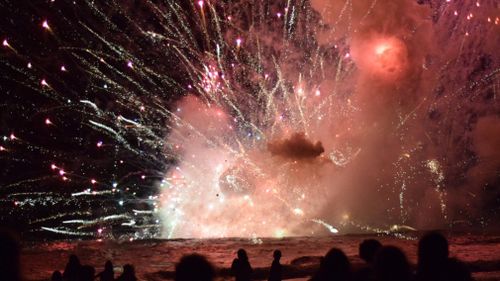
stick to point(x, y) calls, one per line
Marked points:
point(333, 266)
point(275, 271)
point(391, 264)
point(241, 268)
point(10, 269)
point(456, 270)
point(194, 267)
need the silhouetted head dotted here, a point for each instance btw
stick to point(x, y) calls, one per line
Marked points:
point(87, 273)
point(391, 265)
point(128, 270)
point(242, 254)
point(74, 261)
point(432, 250)
point(334, 266)
point(194, 267)
point(368, 248)
point(277, 254)
point(9, 257)
point(56, 276)
point(108, 266)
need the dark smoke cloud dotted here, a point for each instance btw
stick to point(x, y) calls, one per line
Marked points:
point(486, 141)
point(296, 147)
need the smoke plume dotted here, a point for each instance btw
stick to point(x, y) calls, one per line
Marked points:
point(296, 147)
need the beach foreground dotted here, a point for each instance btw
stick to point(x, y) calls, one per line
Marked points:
point(155, 259)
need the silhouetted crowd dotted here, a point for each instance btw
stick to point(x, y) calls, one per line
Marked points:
point(381, 263)
point(75, 271)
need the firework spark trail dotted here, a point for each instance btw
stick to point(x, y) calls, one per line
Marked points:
point(120, 52)
point(291, 103)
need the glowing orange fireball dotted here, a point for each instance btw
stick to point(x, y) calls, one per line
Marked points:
point(382, 57)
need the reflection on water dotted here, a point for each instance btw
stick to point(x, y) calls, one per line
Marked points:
point(152, 256)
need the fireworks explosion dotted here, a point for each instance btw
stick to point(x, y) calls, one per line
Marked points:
point(250, 119)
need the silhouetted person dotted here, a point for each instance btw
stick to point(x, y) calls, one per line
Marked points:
point(128, 274)
point(432, 257)
point(391, 264)
point(275, 272)
point(334, 266)
point(72, 269)
point(87, 273)
point(56, 276)
point(241, 268)
point(367, 251)
point(434, 263)
point(194, 267)
point(10, 269)
point(108, 274)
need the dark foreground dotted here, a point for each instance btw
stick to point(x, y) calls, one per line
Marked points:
point(155, 259)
